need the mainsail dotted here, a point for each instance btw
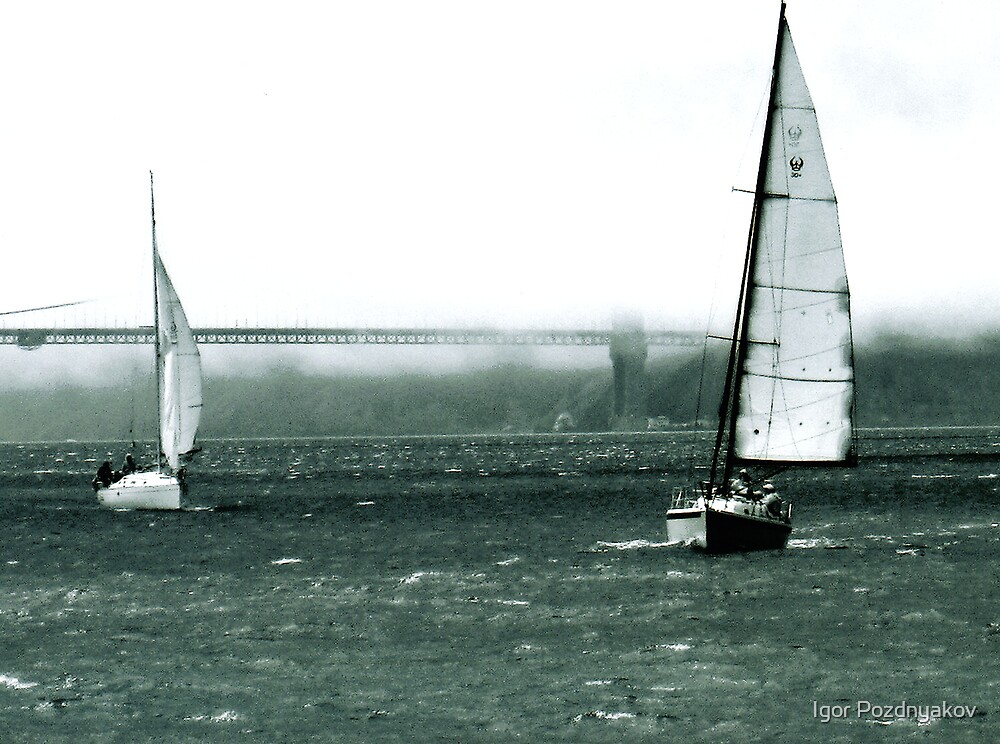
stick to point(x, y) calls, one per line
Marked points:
point(795, 383)
point(179, 366)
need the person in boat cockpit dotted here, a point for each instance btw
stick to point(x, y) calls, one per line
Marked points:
point(128, 467)
point(772, 501)
point(105, 476)
point(741, 485)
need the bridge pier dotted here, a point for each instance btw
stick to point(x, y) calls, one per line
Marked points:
point(629, 349)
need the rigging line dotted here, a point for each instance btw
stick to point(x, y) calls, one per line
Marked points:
point(738, 352)
point(730, 339)
point(45, 307)
point(701, 379)
point(704, 350)
point(157, 328)
point(786, 309)
point(835, 395)
point(776, 385)
point(129, 380)
point(803, 406)
point(818, 435)
point(780, 317)
point(713, 305)
point(773, 195)
point(817, 354)
point(777, 263)
point(811, 254)
point(759, 121)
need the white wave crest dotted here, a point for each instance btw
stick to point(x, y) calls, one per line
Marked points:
point(15, 684)
point(633, 544)
point(603, 715)
point(223, 717)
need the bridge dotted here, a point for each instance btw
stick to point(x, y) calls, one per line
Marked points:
point(33, 338)
point(627, 340)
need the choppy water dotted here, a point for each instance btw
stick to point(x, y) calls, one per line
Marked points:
point(496, 589)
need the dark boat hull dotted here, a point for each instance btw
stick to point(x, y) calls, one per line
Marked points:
point(728, 526)
point(727, 532)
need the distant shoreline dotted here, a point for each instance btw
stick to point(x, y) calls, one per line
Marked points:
point(868, 433)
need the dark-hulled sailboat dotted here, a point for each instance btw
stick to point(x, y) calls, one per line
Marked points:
point(789, 391)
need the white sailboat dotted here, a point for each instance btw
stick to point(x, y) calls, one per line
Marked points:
point(789, 392)
point(178, 378)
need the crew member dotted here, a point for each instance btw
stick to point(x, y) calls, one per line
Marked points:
point(105, 475)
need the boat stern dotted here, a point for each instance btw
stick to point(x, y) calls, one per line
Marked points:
point(686, 525)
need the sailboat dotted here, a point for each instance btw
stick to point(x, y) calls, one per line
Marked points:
point(178, 385)
point(789, 393)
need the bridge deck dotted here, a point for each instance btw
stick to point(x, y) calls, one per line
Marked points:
point(32, 338)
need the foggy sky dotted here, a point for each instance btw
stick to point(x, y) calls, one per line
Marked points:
point(455, 163)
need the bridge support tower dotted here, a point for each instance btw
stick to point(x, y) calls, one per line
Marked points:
point(629, 349)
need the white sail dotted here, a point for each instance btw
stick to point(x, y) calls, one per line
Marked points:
point(797, 386)
point(180, 371)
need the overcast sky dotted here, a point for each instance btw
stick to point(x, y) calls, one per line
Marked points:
point(462, 163)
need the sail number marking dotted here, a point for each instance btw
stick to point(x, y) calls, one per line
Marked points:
point(796, 163)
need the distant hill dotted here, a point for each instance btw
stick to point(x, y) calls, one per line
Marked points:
point(901, 382)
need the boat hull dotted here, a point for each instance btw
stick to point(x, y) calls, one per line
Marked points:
point(142, 491)
point(728, 526)
point(686, 526)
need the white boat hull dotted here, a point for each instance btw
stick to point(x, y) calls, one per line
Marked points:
point(142, 491)
point(725, 525)
point(686, 526)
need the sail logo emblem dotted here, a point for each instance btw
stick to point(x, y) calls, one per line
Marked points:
point(170, 332)
point(796, 164)
point(794, 132)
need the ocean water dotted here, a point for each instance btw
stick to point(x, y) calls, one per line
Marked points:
point(498, 589)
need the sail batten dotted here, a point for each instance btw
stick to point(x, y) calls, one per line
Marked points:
point(811, 290)
point(798, 379)
point(791, 197)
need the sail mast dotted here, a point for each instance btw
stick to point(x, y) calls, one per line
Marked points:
point(156, 330)
point(738, 350)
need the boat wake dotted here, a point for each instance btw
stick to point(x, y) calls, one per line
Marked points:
point(14, 683)
point(634, 544)
point(808, 543)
